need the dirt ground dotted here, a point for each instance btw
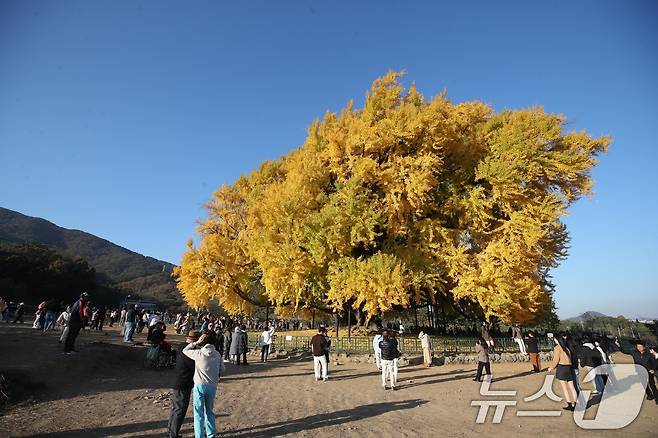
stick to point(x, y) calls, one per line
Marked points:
point(104, 391)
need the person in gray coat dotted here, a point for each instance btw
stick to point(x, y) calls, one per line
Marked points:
point(235, 341)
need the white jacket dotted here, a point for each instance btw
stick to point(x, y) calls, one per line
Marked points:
point(64, 318)
point(375, 343)
point(266, 336)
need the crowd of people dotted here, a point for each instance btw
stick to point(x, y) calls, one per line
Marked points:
point(212, 341)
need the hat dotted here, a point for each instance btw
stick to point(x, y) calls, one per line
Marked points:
point(84, 295)
point(194, 335)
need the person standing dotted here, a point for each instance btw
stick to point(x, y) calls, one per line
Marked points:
point(319, 347)
point(63, 321)
point(129, 327)
point(562, 363)
point(51, 310)
point(482, 350)
point(243, 345)
point(266, 342)
point(20, 310)
point(86, 318)
point(326, 353)
point(533, 351)
point(227, 342)
point(182, 389)
point(517, 335)
point(122, 318)
point(206, 376)
point(641, 356)
point(426, 343)
point(390, 353)
point(101, 318)
point(486, 335)
point(378, 351)
point(574, 348)
point(590, 358)
point(75, 322)
point(234, 346)
point(40, 316)
point(142, 320)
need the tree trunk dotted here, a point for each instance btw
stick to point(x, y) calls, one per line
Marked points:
point(349, 322)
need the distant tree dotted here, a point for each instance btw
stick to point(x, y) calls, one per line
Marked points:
point(404, 201)
point(33, 273)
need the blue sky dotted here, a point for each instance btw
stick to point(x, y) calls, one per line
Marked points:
point(120, 118)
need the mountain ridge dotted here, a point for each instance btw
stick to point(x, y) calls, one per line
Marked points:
point(143, 275)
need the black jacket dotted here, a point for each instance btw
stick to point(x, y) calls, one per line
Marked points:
point(645, 359)
point(184, 371)
point(533, 345)
point(590, 358)
point(389, 347)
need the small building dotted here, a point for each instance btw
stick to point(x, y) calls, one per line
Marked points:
point(142, 304)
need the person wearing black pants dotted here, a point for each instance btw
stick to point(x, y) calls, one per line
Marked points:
point(74, 330)
point(182, 390)
point(244, 345)
point(326, 353)
point(75, 322)
point(266, 343)
point(641, 356)
point(482, 350)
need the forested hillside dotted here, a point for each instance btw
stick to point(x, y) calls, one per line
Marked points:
point(114, 265)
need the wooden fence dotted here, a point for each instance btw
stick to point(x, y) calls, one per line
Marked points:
point(363, 344)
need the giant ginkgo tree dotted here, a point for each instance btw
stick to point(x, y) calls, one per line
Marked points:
point(407, 200)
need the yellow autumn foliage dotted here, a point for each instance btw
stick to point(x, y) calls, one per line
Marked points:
point(405, 201)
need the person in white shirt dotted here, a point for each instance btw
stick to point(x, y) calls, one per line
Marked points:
point(122, 318)
point(153, 319)
point(266, 343)
point(207, 364)
point(63, 321)
point(378, 351)
point(426, 344)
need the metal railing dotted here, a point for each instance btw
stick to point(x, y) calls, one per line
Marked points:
point(363, 344)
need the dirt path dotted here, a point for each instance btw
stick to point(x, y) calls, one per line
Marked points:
point(104, 392)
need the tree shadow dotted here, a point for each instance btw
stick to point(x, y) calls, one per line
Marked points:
point(432, 382)
point(229, 377)
point(512, 376)
point(354, 376)
point(434, 374)
point(323, 420)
